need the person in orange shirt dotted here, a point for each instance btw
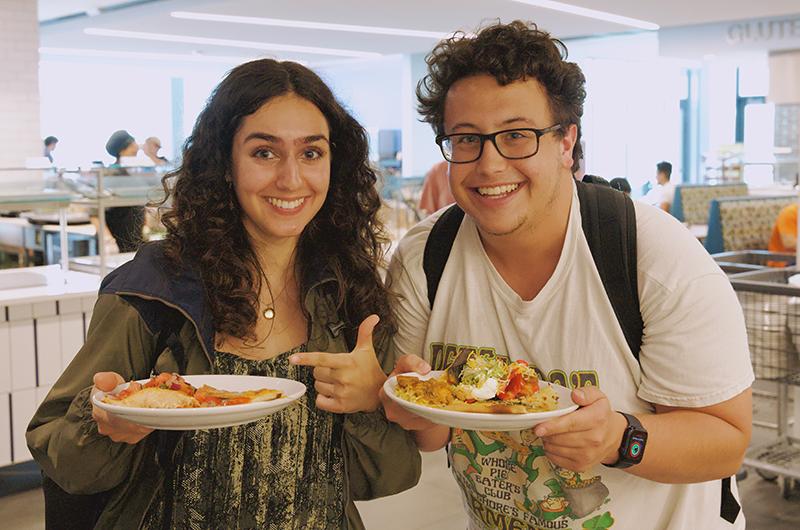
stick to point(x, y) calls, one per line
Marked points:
point(784, 233)
point(436, 189)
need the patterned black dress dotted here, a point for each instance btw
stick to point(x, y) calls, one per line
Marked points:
point(282, 472)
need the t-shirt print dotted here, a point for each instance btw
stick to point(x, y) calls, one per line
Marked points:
point(510, 484)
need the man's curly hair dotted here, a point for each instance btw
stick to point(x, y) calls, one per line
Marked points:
point(508, 52)
point(204, 223)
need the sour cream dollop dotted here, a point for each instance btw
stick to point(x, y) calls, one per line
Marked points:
point(486, 391)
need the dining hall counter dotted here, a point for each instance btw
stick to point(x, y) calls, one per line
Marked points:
point(44, 313)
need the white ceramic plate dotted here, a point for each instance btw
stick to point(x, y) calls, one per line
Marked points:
point(482, 421)
point(210, 417)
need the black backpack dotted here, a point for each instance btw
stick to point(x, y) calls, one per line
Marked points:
point(609, 223)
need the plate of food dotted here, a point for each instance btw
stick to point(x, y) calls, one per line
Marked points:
point(179, 403)
point(481, 392)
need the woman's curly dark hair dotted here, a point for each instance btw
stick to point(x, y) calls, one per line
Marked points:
point(204, 223)
point(507, 52)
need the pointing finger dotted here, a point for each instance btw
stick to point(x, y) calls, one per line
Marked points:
point(329, 360)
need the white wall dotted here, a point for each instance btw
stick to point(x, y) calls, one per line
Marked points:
point(632, 116)
point(784, 84)
point(84, 101)
point(369, 89)
point(422, 151)
point(19, 84)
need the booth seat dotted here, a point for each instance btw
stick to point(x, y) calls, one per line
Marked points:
point(692, 201)
point(743, 223)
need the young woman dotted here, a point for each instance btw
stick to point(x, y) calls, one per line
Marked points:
point(273, 249)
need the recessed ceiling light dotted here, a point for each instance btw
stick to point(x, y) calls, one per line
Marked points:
point(304, 24)
point(591, 13)
point(255, 45)
point(193, 57)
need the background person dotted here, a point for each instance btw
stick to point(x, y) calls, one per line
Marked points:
point(621, 184)
point(50, 144)
point(784, 231)
point(125, 223)
point(435, 193)
point(150, 147)
point(663, 194)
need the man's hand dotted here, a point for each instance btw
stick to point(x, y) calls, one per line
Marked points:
point(347, 382)
point(428, 435)
point(117, 429)
point(394, 412)
point(586, 437)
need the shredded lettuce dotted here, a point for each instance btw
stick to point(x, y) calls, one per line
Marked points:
point(479, 368)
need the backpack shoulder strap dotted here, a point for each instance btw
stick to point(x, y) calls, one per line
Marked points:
point(438, 246)
point(609, 223)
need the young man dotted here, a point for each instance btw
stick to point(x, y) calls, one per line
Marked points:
point(50, 144)
point(664, 193)
point(520, 282)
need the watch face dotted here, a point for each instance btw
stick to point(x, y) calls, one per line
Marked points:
point(635, 448)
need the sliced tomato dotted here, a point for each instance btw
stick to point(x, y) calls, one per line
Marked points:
point(160, 380)
point(513, 388)
point(518, 383)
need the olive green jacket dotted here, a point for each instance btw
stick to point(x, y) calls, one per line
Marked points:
point(380, 458)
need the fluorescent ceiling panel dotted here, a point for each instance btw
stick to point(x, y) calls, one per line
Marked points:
point(304, 24)
point(198, 58)
point(591, 13)
point(255, 45)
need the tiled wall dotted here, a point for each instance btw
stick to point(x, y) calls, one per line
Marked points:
point(19, 83)
point(37, 341)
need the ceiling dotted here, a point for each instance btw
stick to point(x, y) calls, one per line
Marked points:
point(63, 23)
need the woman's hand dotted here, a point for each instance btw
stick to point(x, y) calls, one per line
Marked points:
point(119, 430)
point(347, 382)
point(586, 437)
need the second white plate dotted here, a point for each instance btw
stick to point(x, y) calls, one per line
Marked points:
point(481, 421)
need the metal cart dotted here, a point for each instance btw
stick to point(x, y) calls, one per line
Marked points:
point(771, 306)
point(737, 261)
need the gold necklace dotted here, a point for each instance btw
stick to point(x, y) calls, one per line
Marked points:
point(269, 312)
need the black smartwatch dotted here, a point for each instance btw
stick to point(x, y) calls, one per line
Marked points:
point(631, 449)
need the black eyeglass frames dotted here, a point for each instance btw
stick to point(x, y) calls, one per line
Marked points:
point(514, 144)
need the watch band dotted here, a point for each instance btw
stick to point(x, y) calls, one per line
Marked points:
point(631, 448)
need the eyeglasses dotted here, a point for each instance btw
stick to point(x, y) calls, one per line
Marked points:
point(514, 144)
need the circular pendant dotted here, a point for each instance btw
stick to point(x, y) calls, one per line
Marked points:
point(269, 313)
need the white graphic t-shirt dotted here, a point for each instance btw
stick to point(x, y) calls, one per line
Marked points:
point(694, 353)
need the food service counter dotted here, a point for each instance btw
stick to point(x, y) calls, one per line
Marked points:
point(44, 314)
